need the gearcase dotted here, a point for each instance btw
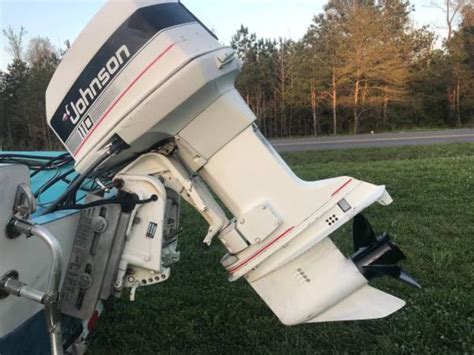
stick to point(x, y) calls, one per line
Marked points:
point(145, 103)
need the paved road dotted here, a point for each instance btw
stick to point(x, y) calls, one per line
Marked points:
point(374, 140)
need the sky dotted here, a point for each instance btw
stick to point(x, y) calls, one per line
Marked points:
point(62, 20)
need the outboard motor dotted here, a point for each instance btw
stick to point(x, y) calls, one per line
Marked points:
point(145, 102)
point(148, 79)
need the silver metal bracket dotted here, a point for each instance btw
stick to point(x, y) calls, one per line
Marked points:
point(95, 256)
point(25, 202)
point(11, 285)
point(10, 275)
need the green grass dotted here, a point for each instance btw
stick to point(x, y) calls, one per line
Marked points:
point(432, 220)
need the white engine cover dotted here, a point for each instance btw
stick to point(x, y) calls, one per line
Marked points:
point(128, 71)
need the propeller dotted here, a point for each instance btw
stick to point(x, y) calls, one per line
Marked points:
point(377, 257)
point(362, 232)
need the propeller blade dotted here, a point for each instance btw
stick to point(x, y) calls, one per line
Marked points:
point(393, 271)
point(393, 256)
point(384, 270)
point(362, 232)
point(408, 279)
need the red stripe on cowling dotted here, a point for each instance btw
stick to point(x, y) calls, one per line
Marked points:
point(235, 268)
point(153, 62)
point(342, 187)
point(92, 323)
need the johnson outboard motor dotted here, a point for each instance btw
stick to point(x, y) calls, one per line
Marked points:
point(145, 102)
point(148, 78)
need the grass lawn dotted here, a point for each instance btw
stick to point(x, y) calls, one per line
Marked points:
point(431, 219)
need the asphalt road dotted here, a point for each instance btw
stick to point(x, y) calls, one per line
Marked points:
point(374, 140)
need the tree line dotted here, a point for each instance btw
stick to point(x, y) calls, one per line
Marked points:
point(361, 66)
point(22, 93)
